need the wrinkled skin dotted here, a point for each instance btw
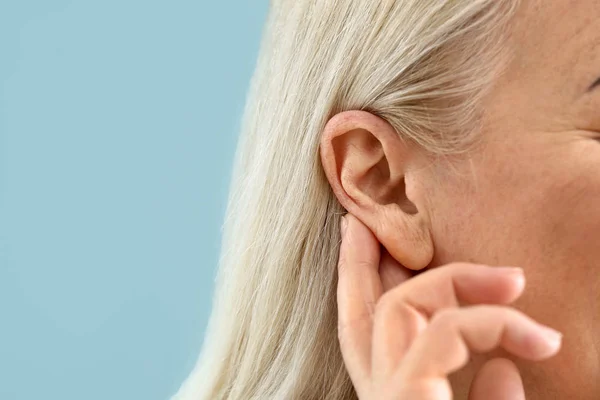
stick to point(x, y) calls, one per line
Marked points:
point(528, 197)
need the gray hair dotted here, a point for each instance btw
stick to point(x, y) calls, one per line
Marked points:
point(422, 65)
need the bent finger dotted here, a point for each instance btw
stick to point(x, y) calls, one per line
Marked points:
point(444, 346)
point(404, 311)
point(446, 286)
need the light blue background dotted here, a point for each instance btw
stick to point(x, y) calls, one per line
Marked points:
point(118, 122)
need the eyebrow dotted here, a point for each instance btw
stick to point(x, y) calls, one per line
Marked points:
point(594, 85)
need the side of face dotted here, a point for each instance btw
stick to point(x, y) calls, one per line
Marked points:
point(528, 196)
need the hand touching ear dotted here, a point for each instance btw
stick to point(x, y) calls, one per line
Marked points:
point(400, 338)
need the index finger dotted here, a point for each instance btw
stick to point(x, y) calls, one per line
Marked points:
point(359, 289)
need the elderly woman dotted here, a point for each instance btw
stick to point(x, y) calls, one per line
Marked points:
point(460, 138)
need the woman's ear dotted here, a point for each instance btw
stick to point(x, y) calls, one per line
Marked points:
point(373, 173)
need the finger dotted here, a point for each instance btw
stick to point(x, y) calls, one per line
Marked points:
point(403, 312)
point(359, 288)
point(444, 346)
point(498, 379)
point(471, 283)
point(392, 273)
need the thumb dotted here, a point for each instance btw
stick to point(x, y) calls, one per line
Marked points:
point(498, 379)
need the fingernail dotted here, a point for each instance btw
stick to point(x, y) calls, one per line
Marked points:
point(552, 337)
point(343, 226)
point(510, 270)
point(515, 273)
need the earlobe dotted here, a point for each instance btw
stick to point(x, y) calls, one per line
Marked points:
point(367, 163)
point(407, 238)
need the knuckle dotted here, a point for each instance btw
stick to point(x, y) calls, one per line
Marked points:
point(444, 318)
point(364, 264)
point(358, 321)
point(346, 330)
point(386, 303)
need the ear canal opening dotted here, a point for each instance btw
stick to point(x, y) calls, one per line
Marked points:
point(392, 192)
point(402, 200)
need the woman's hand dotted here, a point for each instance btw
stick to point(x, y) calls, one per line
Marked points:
point(401, 338)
